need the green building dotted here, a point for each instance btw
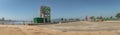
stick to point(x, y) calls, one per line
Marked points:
point(45, 13)
point(45, 16)
point(38, 20)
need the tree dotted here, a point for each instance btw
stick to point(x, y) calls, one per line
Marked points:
point(62, 19)
point(117, 15)
point(92, 18)
point(98, 17)
point(111, 17)
point(77, 19)
point(71, 19)
point(101, 17)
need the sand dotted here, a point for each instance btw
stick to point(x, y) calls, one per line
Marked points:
point(72, 28)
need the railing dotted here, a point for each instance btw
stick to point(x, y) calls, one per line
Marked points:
point(15, 22)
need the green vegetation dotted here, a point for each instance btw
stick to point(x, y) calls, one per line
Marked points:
point(117, 15)
point(92, 18)
point(111, 17)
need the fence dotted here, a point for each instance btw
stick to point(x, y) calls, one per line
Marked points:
point(15, 22)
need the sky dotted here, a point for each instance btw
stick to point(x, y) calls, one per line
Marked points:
point(28, 9)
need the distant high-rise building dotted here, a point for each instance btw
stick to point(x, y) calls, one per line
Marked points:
point(86, 18)
point(45, 13)
point(3, 18)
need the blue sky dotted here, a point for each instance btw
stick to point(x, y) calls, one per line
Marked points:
point(28, 9)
